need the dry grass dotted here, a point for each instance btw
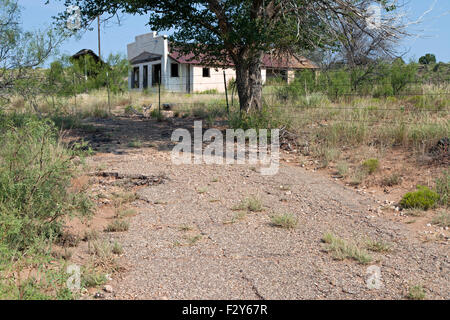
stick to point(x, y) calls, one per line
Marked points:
point(117, 226)
point(341, 249)
point(251, 204)
point(286, 221)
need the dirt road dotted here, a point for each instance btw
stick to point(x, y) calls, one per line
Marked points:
point(189, 242)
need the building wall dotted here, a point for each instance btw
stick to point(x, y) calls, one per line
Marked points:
point(152, 43)
point(215, 81)
point(188, 73)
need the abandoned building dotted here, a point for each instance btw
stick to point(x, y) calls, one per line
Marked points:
point(153, 62)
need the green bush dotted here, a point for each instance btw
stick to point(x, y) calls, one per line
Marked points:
point(423, 198)
point(371, 165)
point(35, 180)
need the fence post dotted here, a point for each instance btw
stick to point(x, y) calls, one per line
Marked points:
point(107, 87)
point(159, 93)
point(226, 91)
point(74, 93)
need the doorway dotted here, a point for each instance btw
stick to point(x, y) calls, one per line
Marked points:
point(156, 75)
point(145, 80)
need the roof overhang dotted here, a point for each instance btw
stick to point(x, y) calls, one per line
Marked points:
point(146, 57)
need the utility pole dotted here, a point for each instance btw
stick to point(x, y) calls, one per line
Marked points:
point(98, 27)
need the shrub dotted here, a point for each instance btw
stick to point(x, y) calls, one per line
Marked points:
point(371, 165)
point(423, 198)
point(35, 179)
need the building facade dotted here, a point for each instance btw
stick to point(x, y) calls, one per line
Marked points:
point(153, 63)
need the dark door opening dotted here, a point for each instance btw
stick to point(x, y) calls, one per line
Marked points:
point(135, 78)
point(145, 82)
point(156, 75)
point(188, 78)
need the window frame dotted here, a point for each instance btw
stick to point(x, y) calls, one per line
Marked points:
point(208, 73)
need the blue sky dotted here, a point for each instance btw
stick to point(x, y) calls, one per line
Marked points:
point(433, 33)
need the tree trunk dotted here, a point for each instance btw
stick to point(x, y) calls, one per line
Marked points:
point(249, 83)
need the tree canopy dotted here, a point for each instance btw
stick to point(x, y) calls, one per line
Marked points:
point(243, 31)
point(429, 58)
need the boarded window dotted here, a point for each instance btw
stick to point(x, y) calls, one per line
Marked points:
point(174, 73)
point(206, 73)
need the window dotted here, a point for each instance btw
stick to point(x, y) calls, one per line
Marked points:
point(174, 70)
point(206, 73)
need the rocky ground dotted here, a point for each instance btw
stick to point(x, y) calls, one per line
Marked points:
point(188, 239)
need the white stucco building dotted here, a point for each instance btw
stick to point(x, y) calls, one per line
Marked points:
point(152, 61)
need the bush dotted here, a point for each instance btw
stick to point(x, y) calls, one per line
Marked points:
point(423, 198)
point(371, 165)
point(35, 179)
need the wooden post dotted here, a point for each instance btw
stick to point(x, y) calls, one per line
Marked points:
point(226, 91)
point(74, 93)
point(159, 92)
point(107, 87)
point(98, 29)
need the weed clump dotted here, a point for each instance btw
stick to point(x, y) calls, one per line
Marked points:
point(371, 165)
point(443, 188)
point(286, 221)
point(341, 249)
point(416, 292)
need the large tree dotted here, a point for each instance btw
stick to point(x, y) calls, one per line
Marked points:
point(242, 31)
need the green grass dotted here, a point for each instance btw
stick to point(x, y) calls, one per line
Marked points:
point(286, 221)
point(341, 249)
point(117, 248)
point(91, 278)
point(135, 144)
point(194, 239)
point(342, 168)
point(202, 190)
point(416, 292)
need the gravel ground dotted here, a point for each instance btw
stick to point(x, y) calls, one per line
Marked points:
point(183, 245)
